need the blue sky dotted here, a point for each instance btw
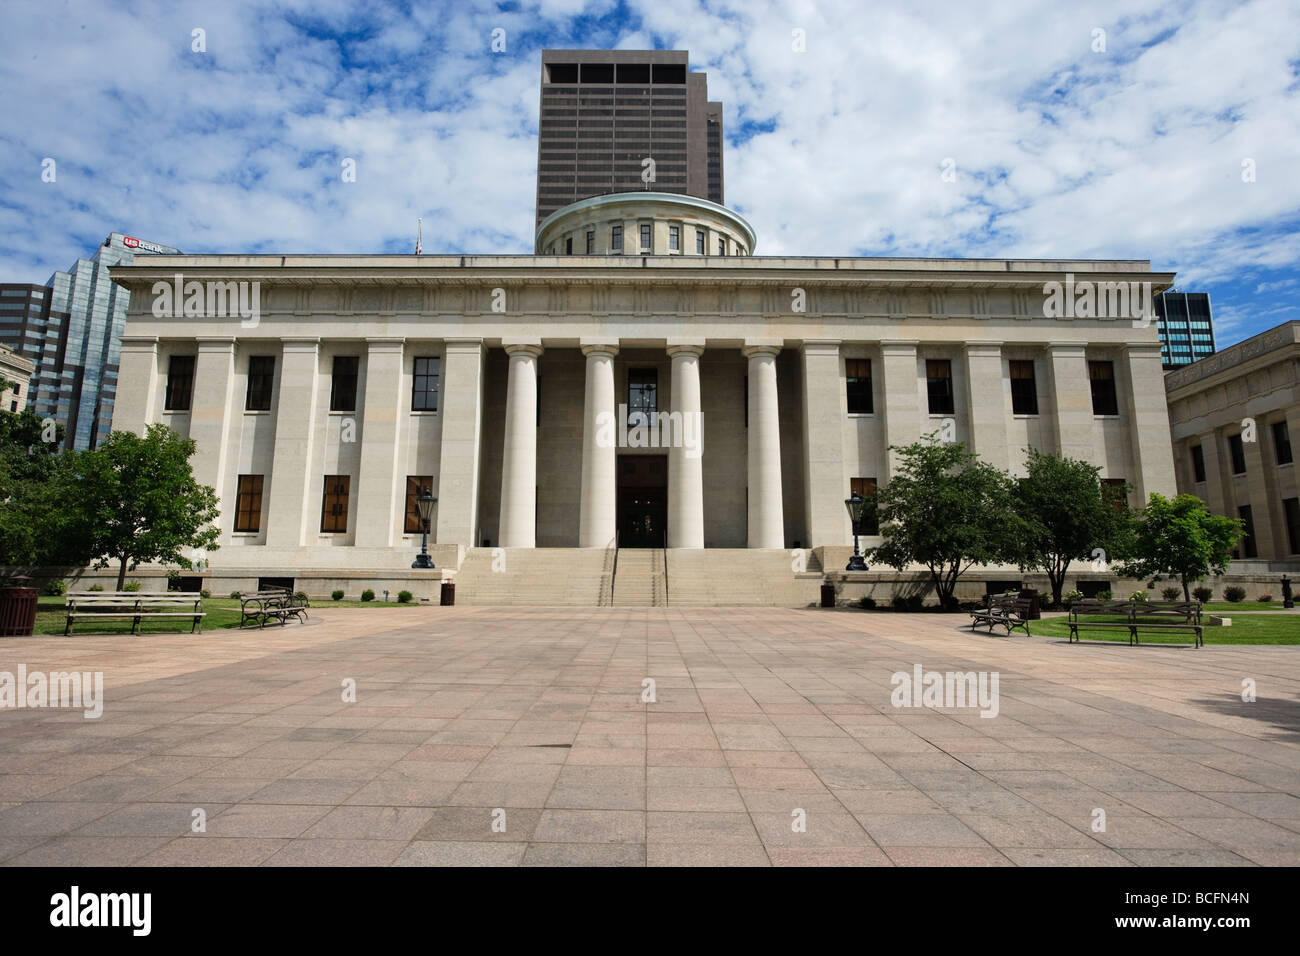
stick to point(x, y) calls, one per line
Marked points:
point(1179, 142)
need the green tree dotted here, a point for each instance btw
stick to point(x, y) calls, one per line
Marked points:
point(947, 510)
point(142, 503)
point(1067, 516)
point(1179, 538)
point(37, 501)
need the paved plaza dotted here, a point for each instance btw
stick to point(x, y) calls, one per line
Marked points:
point(511, 736)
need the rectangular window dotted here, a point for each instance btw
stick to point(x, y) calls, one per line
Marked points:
point(642, 391)
point(1198, 463)
point(343, 384)
point(1292, 508)
point(1237, 454)
point(865, 488)
point(1282, 443)
point(722, 247)
point(1248, 528)
point(645, 237)
point(248, 503)
point(424, 385)
point(938, 383)
point(591, 241)
point(857, 374)
point(415, 485)
point(699, 241)
point(674, 237)
point(1115, 491)
point(616, 238)
point(1024, 389)
point(180, 383)
point(568, 246)
point(334, 503)
point(261, 374)
point(1101, 375)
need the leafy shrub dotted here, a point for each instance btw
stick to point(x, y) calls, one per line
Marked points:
point(205, 593)
point(914, 602)
point(337, 595)
point(867, 602)
point(96, 587)
point(1069, 597)
point(1104, 595)
point(899, 603)
point(404, 597)
point(234, 595)
point(173, 580)
point(1138, 596)
point(57, 587)
point(1202, 594)
point(1264, 598)
point(1171, 594)
point(131, 586)
point(1234, 593)
point(367, 595)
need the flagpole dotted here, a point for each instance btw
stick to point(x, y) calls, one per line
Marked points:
point(419, 234)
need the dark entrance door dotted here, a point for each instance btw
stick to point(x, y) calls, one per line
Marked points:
point(642, 500)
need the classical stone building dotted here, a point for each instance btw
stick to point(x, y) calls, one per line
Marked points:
point(511, 387)
point(1233, 416)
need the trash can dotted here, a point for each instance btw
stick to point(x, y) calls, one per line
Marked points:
point(828, 594)
point(448, 593)
point(1031, 594)
point(17, 611)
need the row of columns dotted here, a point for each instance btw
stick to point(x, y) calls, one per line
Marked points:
point(598, 508)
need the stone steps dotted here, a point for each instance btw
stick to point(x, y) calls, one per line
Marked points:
point(639, 579)
point(577, 577)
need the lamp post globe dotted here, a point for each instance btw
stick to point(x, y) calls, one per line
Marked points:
point(425, 503)
point(856, 505)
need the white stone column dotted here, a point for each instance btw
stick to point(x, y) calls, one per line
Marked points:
point(766, 514)
point(685, 464)
point(377, 487)
point(986, 402)
point(597, 516)
point(460, 406)
point(1072, 401)
point(900, 406)
point(214, 382)
point(292, 468)
point(519, 464)
point(137, 384)
point(1148, 422)
point(825, 406)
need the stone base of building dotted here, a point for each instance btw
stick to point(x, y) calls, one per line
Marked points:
point(631, 577)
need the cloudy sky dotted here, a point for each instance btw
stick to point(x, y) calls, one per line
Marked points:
point(1132, 129)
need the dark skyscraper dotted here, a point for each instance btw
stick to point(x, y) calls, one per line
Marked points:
point(605, 112)
point(1186, 327)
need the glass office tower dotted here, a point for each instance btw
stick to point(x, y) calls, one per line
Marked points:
point(1186, 327)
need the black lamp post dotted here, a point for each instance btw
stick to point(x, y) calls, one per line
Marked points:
point(425, 503)
point(856, 505)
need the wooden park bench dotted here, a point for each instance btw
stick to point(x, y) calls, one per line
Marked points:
point(1006, 610)
point(273, 604)
point(1135, 616)
point(135, 605)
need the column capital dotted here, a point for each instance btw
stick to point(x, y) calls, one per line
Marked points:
point(1063, 348)
point(752, 349)
point(462, 345)
point(385, 345)
point(523, 348)
point(140, 343)
point(600, 348)
point(685, 348)
point(987, 349)
point(1143, 349)
point(215, 343)
point(821, 346)
point(301, 345)
point(899, 347)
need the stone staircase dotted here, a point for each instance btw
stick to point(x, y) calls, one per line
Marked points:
point(741, 576)
point(640, 578)
point(579, 577)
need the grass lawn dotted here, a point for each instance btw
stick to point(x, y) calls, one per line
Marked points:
point(1247, 629)
point(52, 617)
